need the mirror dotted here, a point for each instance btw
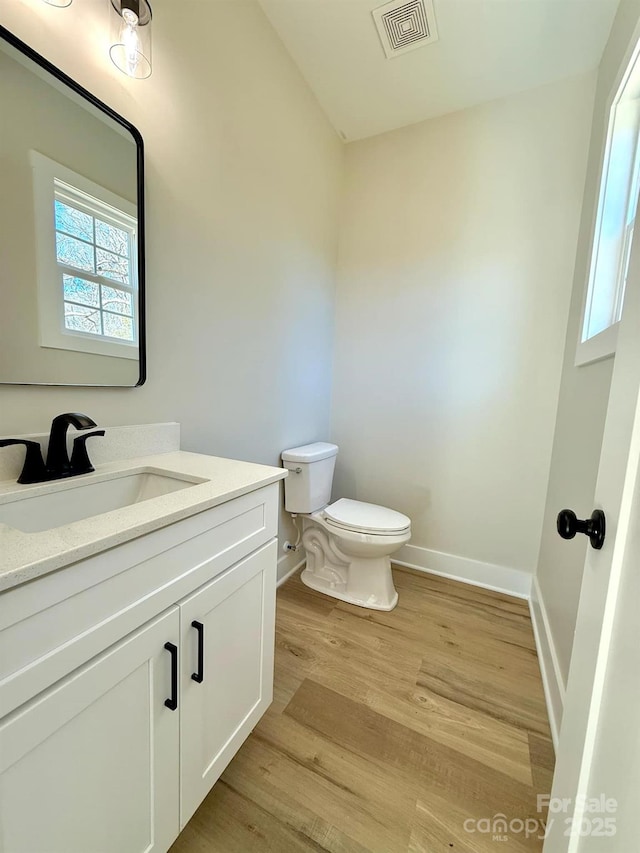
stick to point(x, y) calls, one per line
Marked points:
point(71, 231)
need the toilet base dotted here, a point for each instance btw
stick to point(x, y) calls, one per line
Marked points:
point(350, 565)
point(330, 582)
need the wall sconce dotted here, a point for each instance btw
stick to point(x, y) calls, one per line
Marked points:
point(130, 49)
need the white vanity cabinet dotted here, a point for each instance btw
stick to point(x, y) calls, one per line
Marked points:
point(108, 743)
point(92, 764)
point(230, 648)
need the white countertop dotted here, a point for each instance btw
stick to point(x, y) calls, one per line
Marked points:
point(25, 556)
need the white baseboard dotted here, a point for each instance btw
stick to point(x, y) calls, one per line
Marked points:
point(554, 688)
point(288, 565)
point(486, 575)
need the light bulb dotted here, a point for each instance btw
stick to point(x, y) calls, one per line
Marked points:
point(131, 41)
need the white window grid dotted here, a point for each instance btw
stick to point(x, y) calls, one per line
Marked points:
point(95, 208)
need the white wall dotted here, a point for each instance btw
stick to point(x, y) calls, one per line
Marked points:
point(584, 393)
point(456, 258)
point(243, 177)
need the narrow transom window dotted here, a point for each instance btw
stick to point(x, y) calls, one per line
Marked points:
point(615, 222)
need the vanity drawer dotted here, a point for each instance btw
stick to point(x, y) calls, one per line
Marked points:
point(96, 602)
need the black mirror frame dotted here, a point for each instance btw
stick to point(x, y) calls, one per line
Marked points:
point(15, 42)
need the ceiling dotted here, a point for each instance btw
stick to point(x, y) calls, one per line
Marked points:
point(487, 49)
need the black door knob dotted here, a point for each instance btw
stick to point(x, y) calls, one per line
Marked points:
point(568, 525)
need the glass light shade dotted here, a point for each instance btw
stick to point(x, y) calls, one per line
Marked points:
point(59, 3)
point(130, 49)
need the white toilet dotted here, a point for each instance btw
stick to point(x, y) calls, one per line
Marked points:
point(347, 543)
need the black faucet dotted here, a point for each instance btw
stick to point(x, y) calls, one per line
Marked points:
point(58, 464)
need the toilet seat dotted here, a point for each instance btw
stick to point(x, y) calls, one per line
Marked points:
point(363, 517)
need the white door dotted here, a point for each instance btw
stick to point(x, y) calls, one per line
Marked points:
point(227, 631)
point(598, 758)
point(91, 765)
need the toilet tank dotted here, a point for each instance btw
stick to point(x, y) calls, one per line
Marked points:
point(308, 486)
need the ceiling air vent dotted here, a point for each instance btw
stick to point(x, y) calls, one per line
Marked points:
point(405, 26)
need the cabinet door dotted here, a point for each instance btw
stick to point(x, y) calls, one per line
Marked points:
point(91, 765)
point(235, 624)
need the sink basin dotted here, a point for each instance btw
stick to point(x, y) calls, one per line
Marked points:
point(74, 500)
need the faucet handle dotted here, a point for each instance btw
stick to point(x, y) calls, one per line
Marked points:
point(33, 470)
point(80, 462)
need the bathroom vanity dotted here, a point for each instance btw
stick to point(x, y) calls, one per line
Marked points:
point(136, 646)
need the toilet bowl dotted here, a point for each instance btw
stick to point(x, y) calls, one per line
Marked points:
point(347, 543)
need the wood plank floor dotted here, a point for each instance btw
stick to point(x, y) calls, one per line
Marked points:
point(389, 731)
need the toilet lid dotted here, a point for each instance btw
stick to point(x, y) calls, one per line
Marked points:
point(369, 518)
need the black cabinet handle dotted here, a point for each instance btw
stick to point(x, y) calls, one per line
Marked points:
point(595, 528)
point(172, 702)
point(199, 675)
